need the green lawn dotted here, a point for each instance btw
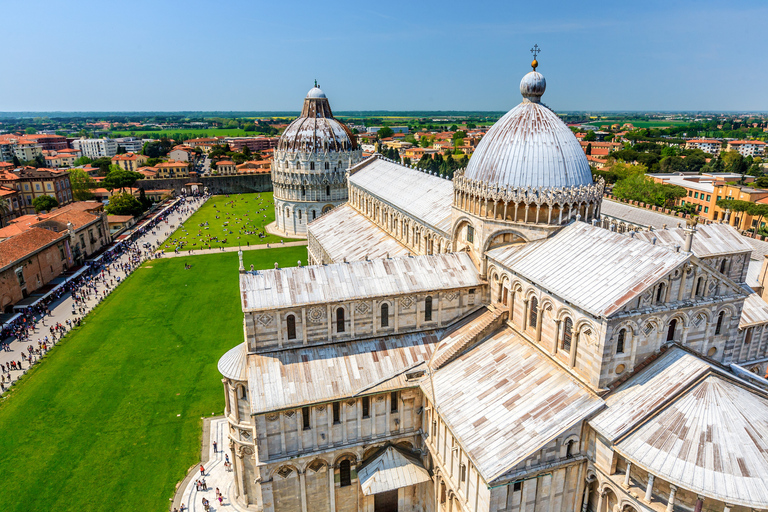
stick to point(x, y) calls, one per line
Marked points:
point(639, 124)
point(111, 419)
point(207, 132)
point(241, 214)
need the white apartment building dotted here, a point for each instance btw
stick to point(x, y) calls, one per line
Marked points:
point(131, 144)
point(747, 147)
point(96, 148)
point(711, 146)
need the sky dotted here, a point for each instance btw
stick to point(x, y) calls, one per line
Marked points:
point(253, 55)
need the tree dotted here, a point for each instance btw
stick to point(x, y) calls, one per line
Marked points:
point(121, 150)
point(83, 160)
point(30, 131)
point(639, 187)
point(590, 136)
point(103, 163)
point(385, 132)
point(81, 184)
point(44, 203)
point(124, 204)
point(589, 149)
point(758, 210)
point(459, 135)
point(120, 178)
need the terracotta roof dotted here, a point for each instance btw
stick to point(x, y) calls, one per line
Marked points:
point(25, 244)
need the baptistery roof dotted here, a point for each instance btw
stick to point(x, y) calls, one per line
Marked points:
point(530, 147)
point(316, 130)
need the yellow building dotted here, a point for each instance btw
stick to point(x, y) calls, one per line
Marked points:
point(172, 169)
point(130, 161)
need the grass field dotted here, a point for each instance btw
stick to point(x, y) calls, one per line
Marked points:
point(238, 215)
point(207, 132)
point(110, 420)
point(638, 123)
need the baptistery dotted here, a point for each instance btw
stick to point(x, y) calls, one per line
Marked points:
point(309, 165)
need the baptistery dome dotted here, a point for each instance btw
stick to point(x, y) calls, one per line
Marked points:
point(315, 130)
point(530, 147)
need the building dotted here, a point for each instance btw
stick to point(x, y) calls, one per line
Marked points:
point(28, 261)
point(31, 183)
point(747, 147)
point(131, 144)
point(205, 144)
point(254, 167)
point(252, 143)
point(96, 148)
point(740, 220)
point(225, 167)
point(130, 161)
point(85, 222)
point(711, 146)
point(118, 223)
point(182, 153)
point(11, 205)
point(309, 165)
point(484, 345)
point(60, 161)
point(21, 147)
point(172, 169)
point(599, 148)
point(49, 142)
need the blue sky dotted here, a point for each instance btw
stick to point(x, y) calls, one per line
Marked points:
point(417, 55)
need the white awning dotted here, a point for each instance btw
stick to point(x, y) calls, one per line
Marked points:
point(390, 470)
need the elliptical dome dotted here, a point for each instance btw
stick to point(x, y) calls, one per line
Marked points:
point(530, 147)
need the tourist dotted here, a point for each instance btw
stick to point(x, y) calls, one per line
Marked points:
point(215, 449)
point(202, 470)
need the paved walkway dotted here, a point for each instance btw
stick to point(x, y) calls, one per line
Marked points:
point(231, 249)
point(61, 310)
point(216, 475)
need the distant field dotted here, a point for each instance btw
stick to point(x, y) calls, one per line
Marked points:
point(639, 124)
point(211, 132)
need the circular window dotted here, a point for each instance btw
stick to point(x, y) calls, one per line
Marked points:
point(620, 369)
point(712, 351)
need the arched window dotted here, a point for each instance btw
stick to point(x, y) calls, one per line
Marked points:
point(748, 336)
point(303, 191)
point(620, 341)
point(428, 309)
point(719, 325)
point(671, 330)
point(298, 165)
point(533, 315)
point(290, 322)
point(327, 165)
point(313, 215)
point(699, 286)
point(299, 214)
point(385, 315)
point(660, 292)
point(567, 335)
point(345, 474)
point(340, 320)
point(722, 267)
point(243, 393)
point(311, 166)
point(569, 449)
point(328, 190)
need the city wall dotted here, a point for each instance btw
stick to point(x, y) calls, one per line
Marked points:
point(238, 184)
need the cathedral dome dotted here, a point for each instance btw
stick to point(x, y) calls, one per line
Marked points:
point(316, 130)
point(530, 147)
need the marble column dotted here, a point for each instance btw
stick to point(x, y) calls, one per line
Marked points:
point(586, 497)
point(649, 488)
point(600, 498)
point(626, 475)
point(671, 500)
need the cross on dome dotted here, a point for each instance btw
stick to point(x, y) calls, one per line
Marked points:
point(535, 51)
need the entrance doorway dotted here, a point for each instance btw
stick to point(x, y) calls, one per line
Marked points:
point(385, 501)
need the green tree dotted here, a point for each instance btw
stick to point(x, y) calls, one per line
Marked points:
point(81, 184)
point(590, 136)
point(44, 203)
point(589, 149)
point(120, 178)
point(459, 135)
point(385, 132)
point(30, 131)
point(639, 187)
point(83, 160)
point(104, 163)
point(123, 204)
point(121, 150)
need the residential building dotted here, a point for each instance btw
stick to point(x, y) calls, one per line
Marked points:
point(599, 148)
point(130, 161)
point(49, 142)
point(28, 261)
point(711, 146)
point(118, 223)
point(60, 161)
point(22, 147)
point(31, 183)
point(13, 205)
point(206, 143)
point(182, 153)
point(96, 148)
point(252, 143)
point(172, 169)
point(740, 220)
point(131, 144)
point(254, 167)
point(747, 147)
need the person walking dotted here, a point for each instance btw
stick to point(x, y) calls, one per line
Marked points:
point(202, 470)
point(215, 447)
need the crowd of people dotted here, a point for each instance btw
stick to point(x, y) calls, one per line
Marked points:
point(104, 273)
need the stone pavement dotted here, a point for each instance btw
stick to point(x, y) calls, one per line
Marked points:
point(194, 252)
point(61, 310)
point(216, 475)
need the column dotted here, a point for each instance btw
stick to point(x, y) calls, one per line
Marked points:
point(600, 498)
point(699, 503)
point(671, 500)
point(626, 476)
point(649, 489)
point(585, 501)
point(332, 487)
point(303, 479)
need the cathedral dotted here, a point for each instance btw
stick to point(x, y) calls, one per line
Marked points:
point(484, 344)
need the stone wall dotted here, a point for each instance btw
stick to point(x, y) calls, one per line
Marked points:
point(238, 184)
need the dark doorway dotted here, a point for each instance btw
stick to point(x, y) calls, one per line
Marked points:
point(385, 501)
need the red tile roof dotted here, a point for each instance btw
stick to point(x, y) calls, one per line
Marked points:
point(26, 244)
